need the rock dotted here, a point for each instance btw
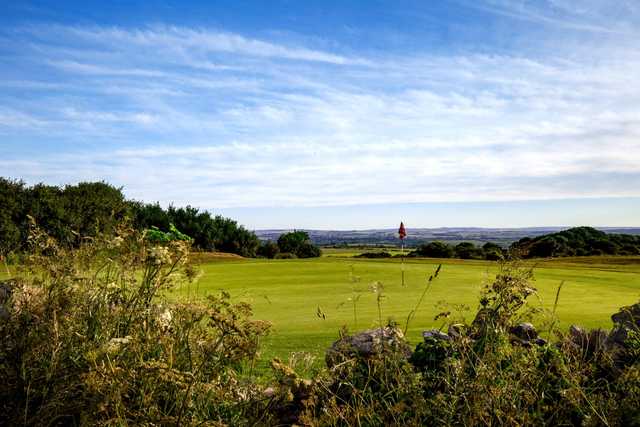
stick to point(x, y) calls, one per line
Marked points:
point(269, 392)
point(6, 290)
point(590, 342)
point(540, 341)
point(456, 330)
point(618, 336)
point(435, 334)
point(367, 344)
point(524, 331)
point(628, 317)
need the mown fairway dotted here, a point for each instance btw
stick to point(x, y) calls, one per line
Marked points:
point(289, 293)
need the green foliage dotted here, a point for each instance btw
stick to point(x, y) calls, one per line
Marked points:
point(435, 249)
point(268, 249)
point(463, 250)
point(88, 339)
point(467, 250)
point(208, 232)
point(154, 235)
point(298, 243)
point(67, 214)
point(578, 241)
point(290, 242)
point(379, 254)
point(308, 250)
point(88, 209)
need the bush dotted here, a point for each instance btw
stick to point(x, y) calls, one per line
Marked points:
point(382, 254)
point(435, 249)
point(91, 340)
point(89, 209)
point(467, 250)
point(298, 243)
point(578, 241)
point(308, 250)
point(268, 250)
point(285, 255)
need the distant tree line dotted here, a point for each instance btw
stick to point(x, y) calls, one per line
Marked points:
point(578, 241)
point(295, 244)
point(208, 232)
point(463, 250)
point(74, 212)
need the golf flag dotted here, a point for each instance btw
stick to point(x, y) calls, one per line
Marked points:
point(402, 232)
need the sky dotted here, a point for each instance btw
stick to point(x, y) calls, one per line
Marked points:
point(333, 114)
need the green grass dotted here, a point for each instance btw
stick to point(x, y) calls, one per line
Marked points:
point(289, 292)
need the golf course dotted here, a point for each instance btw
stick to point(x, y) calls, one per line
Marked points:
point(308, 301)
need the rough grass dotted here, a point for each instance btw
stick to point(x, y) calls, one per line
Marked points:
point(308, 301)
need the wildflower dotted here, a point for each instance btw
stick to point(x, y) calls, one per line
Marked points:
point(164, 319)
point(159, 255)
point(115, 344)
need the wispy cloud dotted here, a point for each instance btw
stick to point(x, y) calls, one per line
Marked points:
point(225, 120)
point(586, 16)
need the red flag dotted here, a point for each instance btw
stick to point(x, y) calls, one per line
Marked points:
point(402, 232)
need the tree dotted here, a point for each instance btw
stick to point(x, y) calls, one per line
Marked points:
point(290, 242)
point(435, 249)
point(308, 250)
point(544, 248)
point(467, 250)
point(298, 243)
point(492, 251)
point(268, 249)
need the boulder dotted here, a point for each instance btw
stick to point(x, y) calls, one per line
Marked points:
point(367, 344)
point(6, 290)
point(628, 317)
point(524, 331)
point(435, 334)
point(590, 342)
point(456, 330)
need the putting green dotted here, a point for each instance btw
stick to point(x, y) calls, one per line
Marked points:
point(308, 301)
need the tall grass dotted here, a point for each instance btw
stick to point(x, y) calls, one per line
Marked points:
point(87, 338)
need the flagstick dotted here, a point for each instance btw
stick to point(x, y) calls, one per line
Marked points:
point(402, 252)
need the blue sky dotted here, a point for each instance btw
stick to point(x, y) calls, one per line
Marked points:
point(333, 114)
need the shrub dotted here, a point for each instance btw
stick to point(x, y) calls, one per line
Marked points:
point(298, 243)
point(382, 254)
point(467, 250)
point(88, 339)
point(308, 250)
point(285, 255)
point(268, 250)
point(435, 249)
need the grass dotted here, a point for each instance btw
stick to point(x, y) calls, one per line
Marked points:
point(308, 301)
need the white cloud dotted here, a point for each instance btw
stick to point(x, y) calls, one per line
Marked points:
point(278, 125)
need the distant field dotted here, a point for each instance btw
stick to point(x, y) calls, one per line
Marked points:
point(289, 293)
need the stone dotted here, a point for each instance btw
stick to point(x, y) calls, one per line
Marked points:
point(628, 317)
point(456, 330)
point(435, 334)
point(540, 341)
point(6, 290)
point(367, 344)
point(524, 331)
point(589, 342)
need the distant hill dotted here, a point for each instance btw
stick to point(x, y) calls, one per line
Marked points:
point(417, 236)
point(578, 241)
